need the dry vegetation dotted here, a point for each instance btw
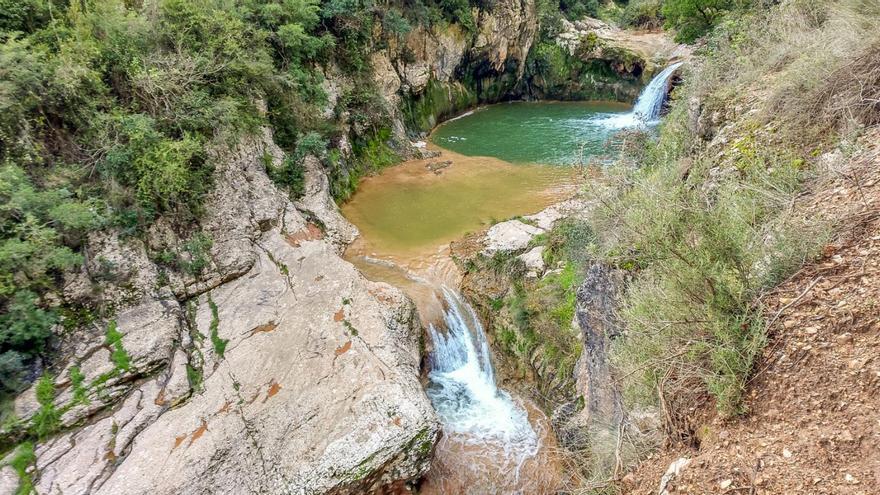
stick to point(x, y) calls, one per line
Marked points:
point(704, 214)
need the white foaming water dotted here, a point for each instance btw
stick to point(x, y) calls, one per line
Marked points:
point(646, 111)
point(464, 393)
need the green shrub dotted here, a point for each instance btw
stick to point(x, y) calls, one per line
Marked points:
point(22, 460)
point(693, 19)
point(705, 252)
point(642, 14)
point(218, 343)
point(80, 391)
point(47, 419)
point(577, 9)
point(118, 354)
point(197, 249)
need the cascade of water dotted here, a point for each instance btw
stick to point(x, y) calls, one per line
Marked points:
point(648, 106)
point(463, 390)
point(650, 101)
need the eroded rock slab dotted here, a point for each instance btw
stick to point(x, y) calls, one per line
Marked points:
point(295, 376)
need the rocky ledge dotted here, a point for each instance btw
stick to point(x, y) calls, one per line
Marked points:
point(280, 370)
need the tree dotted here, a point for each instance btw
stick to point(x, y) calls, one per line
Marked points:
point(694, 18)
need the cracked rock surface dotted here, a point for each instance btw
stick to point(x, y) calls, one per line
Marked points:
point(282, 370)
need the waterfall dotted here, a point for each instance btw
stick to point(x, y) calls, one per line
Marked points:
point(463, 391)
point(651, 99)
point(648, 106)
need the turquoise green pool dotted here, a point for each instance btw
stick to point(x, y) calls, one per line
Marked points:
point(555, 133)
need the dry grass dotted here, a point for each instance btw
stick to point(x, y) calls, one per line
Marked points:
point(708, 226)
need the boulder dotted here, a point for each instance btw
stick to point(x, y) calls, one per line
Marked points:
point(534, 261)
point(509, 236)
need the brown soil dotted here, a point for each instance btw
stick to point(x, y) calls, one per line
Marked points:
point(813, 425)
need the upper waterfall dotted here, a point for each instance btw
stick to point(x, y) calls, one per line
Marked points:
point(650, 102)
point(648, 106)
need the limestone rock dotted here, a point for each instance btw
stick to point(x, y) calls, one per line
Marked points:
point(671, 473)
point(317, 389)
point(596, 312)
point(317, 202)
point(304, 374)
point(547, 218)
point(120, 265)
point(386, 78)
point(435, 53)
point(505, 35)
point(509, 236)
point(534, 261)
point(8, 481)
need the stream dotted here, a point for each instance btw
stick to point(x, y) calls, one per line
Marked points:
point(496, 162)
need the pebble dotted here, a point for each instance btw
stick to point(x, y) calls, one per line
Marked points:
point(786, 453)
point(726, 484)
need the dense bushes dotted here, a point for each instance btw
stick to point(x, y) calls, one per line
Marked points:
point(109, 111)
point(692, 19)
point(709, 229)
point(704, 248)
point(642, 14)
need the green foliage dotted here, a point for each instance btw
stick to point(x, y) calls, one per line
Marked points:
point(22, 459)
point(197, 249)
point(395, 23)
point(642, 14)
point(47, 419)
point(118, 354)
point(218, 343)
point(12, 372)
point(194, 376)
point(577, 9)
point(705, 253)
point(291, 172)
point(437, 102)
point(571, 241)
point(692, 19)
point(77, 380)
point(370, 155)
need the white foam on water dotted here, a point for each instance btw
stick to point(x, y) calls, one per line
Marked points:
point(646, 111)
point(464, 392)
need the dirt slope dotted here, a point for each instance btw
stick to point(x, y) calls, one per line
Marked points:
point(814, 402)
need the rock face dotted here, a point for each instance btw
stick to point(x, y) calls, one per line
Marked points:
point(590, 59)
point(505, 35)
point(434, 73)
point(596, 312)
point(509, 236)
point(281, 370)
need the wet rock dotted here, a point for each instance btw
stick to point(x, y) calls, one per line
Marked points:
point(437, 167)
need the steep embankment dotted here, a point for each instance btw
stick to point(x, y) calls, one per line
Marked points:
point(683, 269)
point(812, 401)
